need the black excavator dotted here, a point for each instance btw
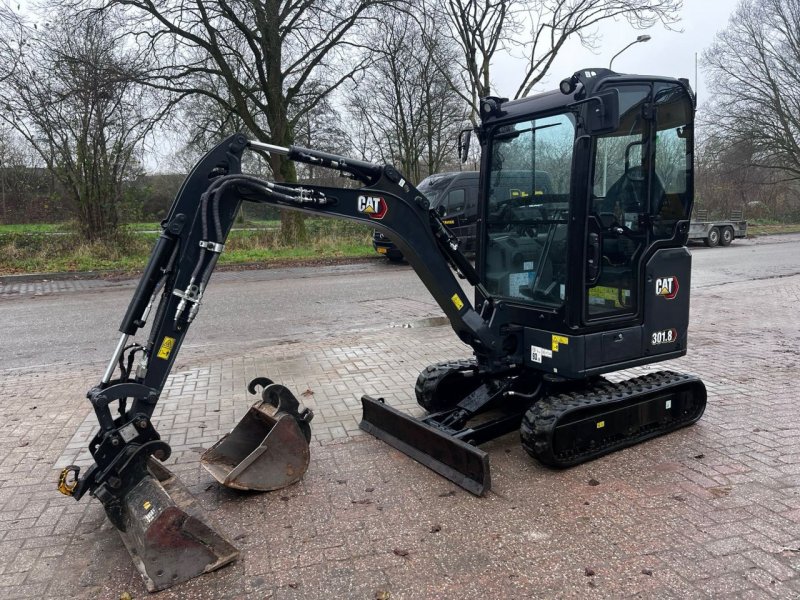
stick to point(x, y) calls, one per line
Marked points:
point(575, 279)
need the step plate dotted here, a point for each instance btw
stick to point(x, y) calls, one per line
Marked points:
point(461, 463)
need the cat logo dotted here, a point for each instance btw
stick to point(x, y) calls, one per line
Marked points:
point(374, 207)
point(667, 287)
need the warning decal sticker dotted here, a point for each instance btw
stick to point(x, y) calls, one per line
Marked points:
point(559, 339)
point(166, 347)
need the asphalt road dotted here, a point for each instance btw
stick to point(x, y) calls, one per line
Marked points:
point(50, 332)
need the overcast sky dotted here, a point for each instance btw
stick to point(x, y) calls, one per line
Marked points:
point(669, 53)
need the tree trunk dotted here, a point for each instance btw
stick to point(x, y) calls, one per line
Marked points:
point(293, 225)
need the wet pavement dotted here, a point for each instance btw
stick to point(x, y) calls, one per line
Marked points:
point(709, 511)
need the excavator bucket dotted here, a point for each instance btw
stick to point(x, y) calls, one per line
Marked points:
point(163, 529)
point(458, 461)
point(269, 448)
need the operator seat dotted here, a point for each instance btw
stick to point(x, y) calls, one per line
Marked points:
point(630, 193)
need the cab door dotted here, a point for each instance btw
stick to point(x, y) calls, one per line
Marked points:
point(616, 228)
point(641, 189)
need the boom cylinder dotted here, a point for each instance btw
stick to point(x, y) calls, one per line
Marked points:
point(147, 284)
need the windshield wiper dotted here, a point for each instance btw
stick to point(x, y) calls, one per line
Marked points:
point(514, 134)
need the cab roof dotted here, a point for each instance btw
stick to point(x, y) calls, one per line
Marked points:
point(512, 110)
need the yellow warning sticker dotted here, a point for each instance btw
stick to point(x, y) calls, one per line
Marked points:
point(601, 424)
point(457, 302)
point(559, 339)
point(147, 505)
point(166, 347)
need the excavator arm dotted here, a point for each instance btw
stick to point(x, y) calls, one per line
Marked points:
point(186, 253)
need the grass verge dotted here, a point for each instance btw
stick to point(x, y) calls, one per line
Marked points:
point(757, 228)
point(48, 249)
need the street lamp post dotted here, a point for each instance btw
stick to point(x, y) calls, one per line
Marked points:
point(638, 40)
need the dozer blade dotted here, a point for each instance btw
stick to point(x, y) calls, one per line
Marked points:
point(267, 450)
point(164, 533)
point(461, 463)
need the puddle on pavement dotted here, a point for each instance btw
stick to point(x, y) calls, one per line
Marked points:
point(428, 322)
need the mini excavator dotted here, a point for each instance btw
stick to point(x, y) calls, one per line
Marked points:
point(586, 276)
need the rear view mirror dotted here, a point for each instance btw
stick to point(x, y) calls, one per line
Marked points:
point(603, 114)
point(463, 144)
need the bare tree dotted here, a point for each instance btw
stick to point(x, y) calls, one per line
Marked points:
point(538, 29)
point(205, 121)
point(268, 61)
point(73, 99)
point(11, 42)
point(404, 109)
point(727, 178)
point(753, 66)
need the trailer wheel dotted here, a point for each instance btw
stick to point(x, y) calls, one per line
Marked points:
point(726, 236)
point(713, 238)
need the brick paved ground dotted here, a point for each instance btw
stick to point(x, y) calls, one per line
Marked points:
point(710, 511)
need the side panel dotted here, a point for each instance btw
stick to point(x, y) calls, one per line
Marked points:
point(666, 301)
point(554, 352)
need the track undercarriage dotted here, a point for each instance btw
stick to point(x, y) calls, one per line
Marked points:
point(561, 422)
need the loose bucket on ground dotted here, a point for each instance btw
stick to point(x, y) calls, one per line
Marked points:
point(268, 449)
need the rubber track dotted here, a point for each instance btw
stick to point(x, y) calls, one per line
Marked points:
point(538, 425)
point(428, 381)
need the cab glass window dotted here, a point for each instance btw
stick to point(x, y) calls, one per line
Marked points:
point(530, 165)
point(671, 185)
point(619, 203)
point(618, 155)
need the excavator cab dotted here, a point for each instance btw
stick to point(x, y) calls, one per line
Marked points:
point(583, 276)
point(583, 258)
